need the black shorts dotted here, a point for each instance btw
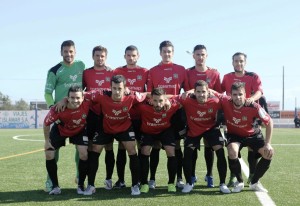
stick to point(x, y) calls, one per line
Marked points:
point(94, 124)
point(136, 125)
point(178, 123)
point(104, 138)
point(213, 137)
point(255, 142)
point(166, 138)
point(58, 141)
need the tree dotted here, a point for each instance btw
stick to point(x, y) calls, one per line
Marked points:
point(21, 105)
point(5, 102)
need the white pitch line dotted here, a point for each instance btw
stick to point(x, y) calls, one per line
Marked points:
point(263, 197)
point(30, 140)
point(285, 144)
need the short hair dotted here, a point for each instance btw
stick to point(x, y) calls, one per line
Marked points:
point(75, 88)
point(117, 79)
point(198, 47)
point(239, 53)
point(158, 91)
point(165, 44)
point(201, 83)
point(237, 86)
point(131, 48)
point(67, 43)
point(100, 48)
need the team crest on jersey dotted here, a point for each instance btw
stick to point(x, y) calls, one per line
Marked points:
point(236, 121)
point(244, 118)
point(131, 81)
point(83, 116)
point(175, 76)
point(73, 77)
point(208, 80)
point(210, 110)
point(99, 82)
point(116, 112)
point(139, 77)
point(125, 109)
point(168, 79)
point(156, 120)
point(201, 114)
point(77, 121)
point(164, 115)
point(107, 79)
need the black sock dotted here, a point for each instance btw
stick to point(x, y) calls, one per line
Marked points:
point(52, 171)
point(110, 163)
point(82, 169)
point(209, 159)
point(121, 163)
point(252, 161)
point(262, 166)
point(93, 167)
point(172, 165)
point(235, 168)
point(154, 160)
point(187, 164)
point(179, 158)
point(222, 165)
point(144, 161)
point(134, 168)
point(194, 160)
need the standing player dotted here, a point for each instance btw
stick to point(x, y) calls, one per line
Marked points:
point(136, 77)
point(212, 77)
point(253, 89)
point(68, 123)
point(115, 106)
point(201, 112)
point(242, 132)
point(97, 78)
point(156, 126)
point(59, 79)
point(171, 77)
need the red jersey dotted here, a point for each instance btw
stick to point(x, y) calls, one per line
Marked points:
point(96, 80)
point(154, 122)
point(116, 116)
point(70, 121)
point(251, 80)
point(201, 117)
point(136, 81)
point(171, 77)
point(241, 121)
point(210, 76)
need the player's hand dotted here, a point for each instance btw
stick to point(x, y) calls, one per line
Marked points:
point(249, 101)
point(268, 151)
point(48, 145)
point(61, 105)
point(127, 91)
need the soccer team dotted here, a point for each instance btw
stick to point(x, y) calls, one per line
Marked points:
point(145, 109)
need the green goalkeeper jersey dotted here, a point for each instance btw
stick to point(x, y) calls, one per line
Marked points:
point(61, 77)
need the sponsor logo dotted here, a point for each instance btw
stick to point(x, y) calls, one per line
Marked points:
point(156, 120)
point(116, 112)
point(236, 121)
point(168, 79)
point(201, 114)
point(77, 121)
point(99, 82)
point(73, 77)
point(131, 81)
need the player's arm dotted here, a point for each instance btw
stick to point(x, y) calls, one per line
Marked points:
point(268, 149)
point(49, 88)
point(49, 100)
point(253, 98)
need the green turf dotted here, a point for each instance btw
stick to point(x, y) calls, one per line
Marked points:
point(22, 177)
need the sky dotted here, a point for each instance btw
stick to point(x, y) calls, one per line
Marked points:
point(32, 31)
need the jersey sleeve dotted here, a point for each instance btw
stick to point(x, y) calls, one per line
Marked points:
point(185, 85)
point(223, 84)
point(51, 117)
point(84, 80)
point(50, 82)
point(263, 115)
point(217, 86)
point(257, 85)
